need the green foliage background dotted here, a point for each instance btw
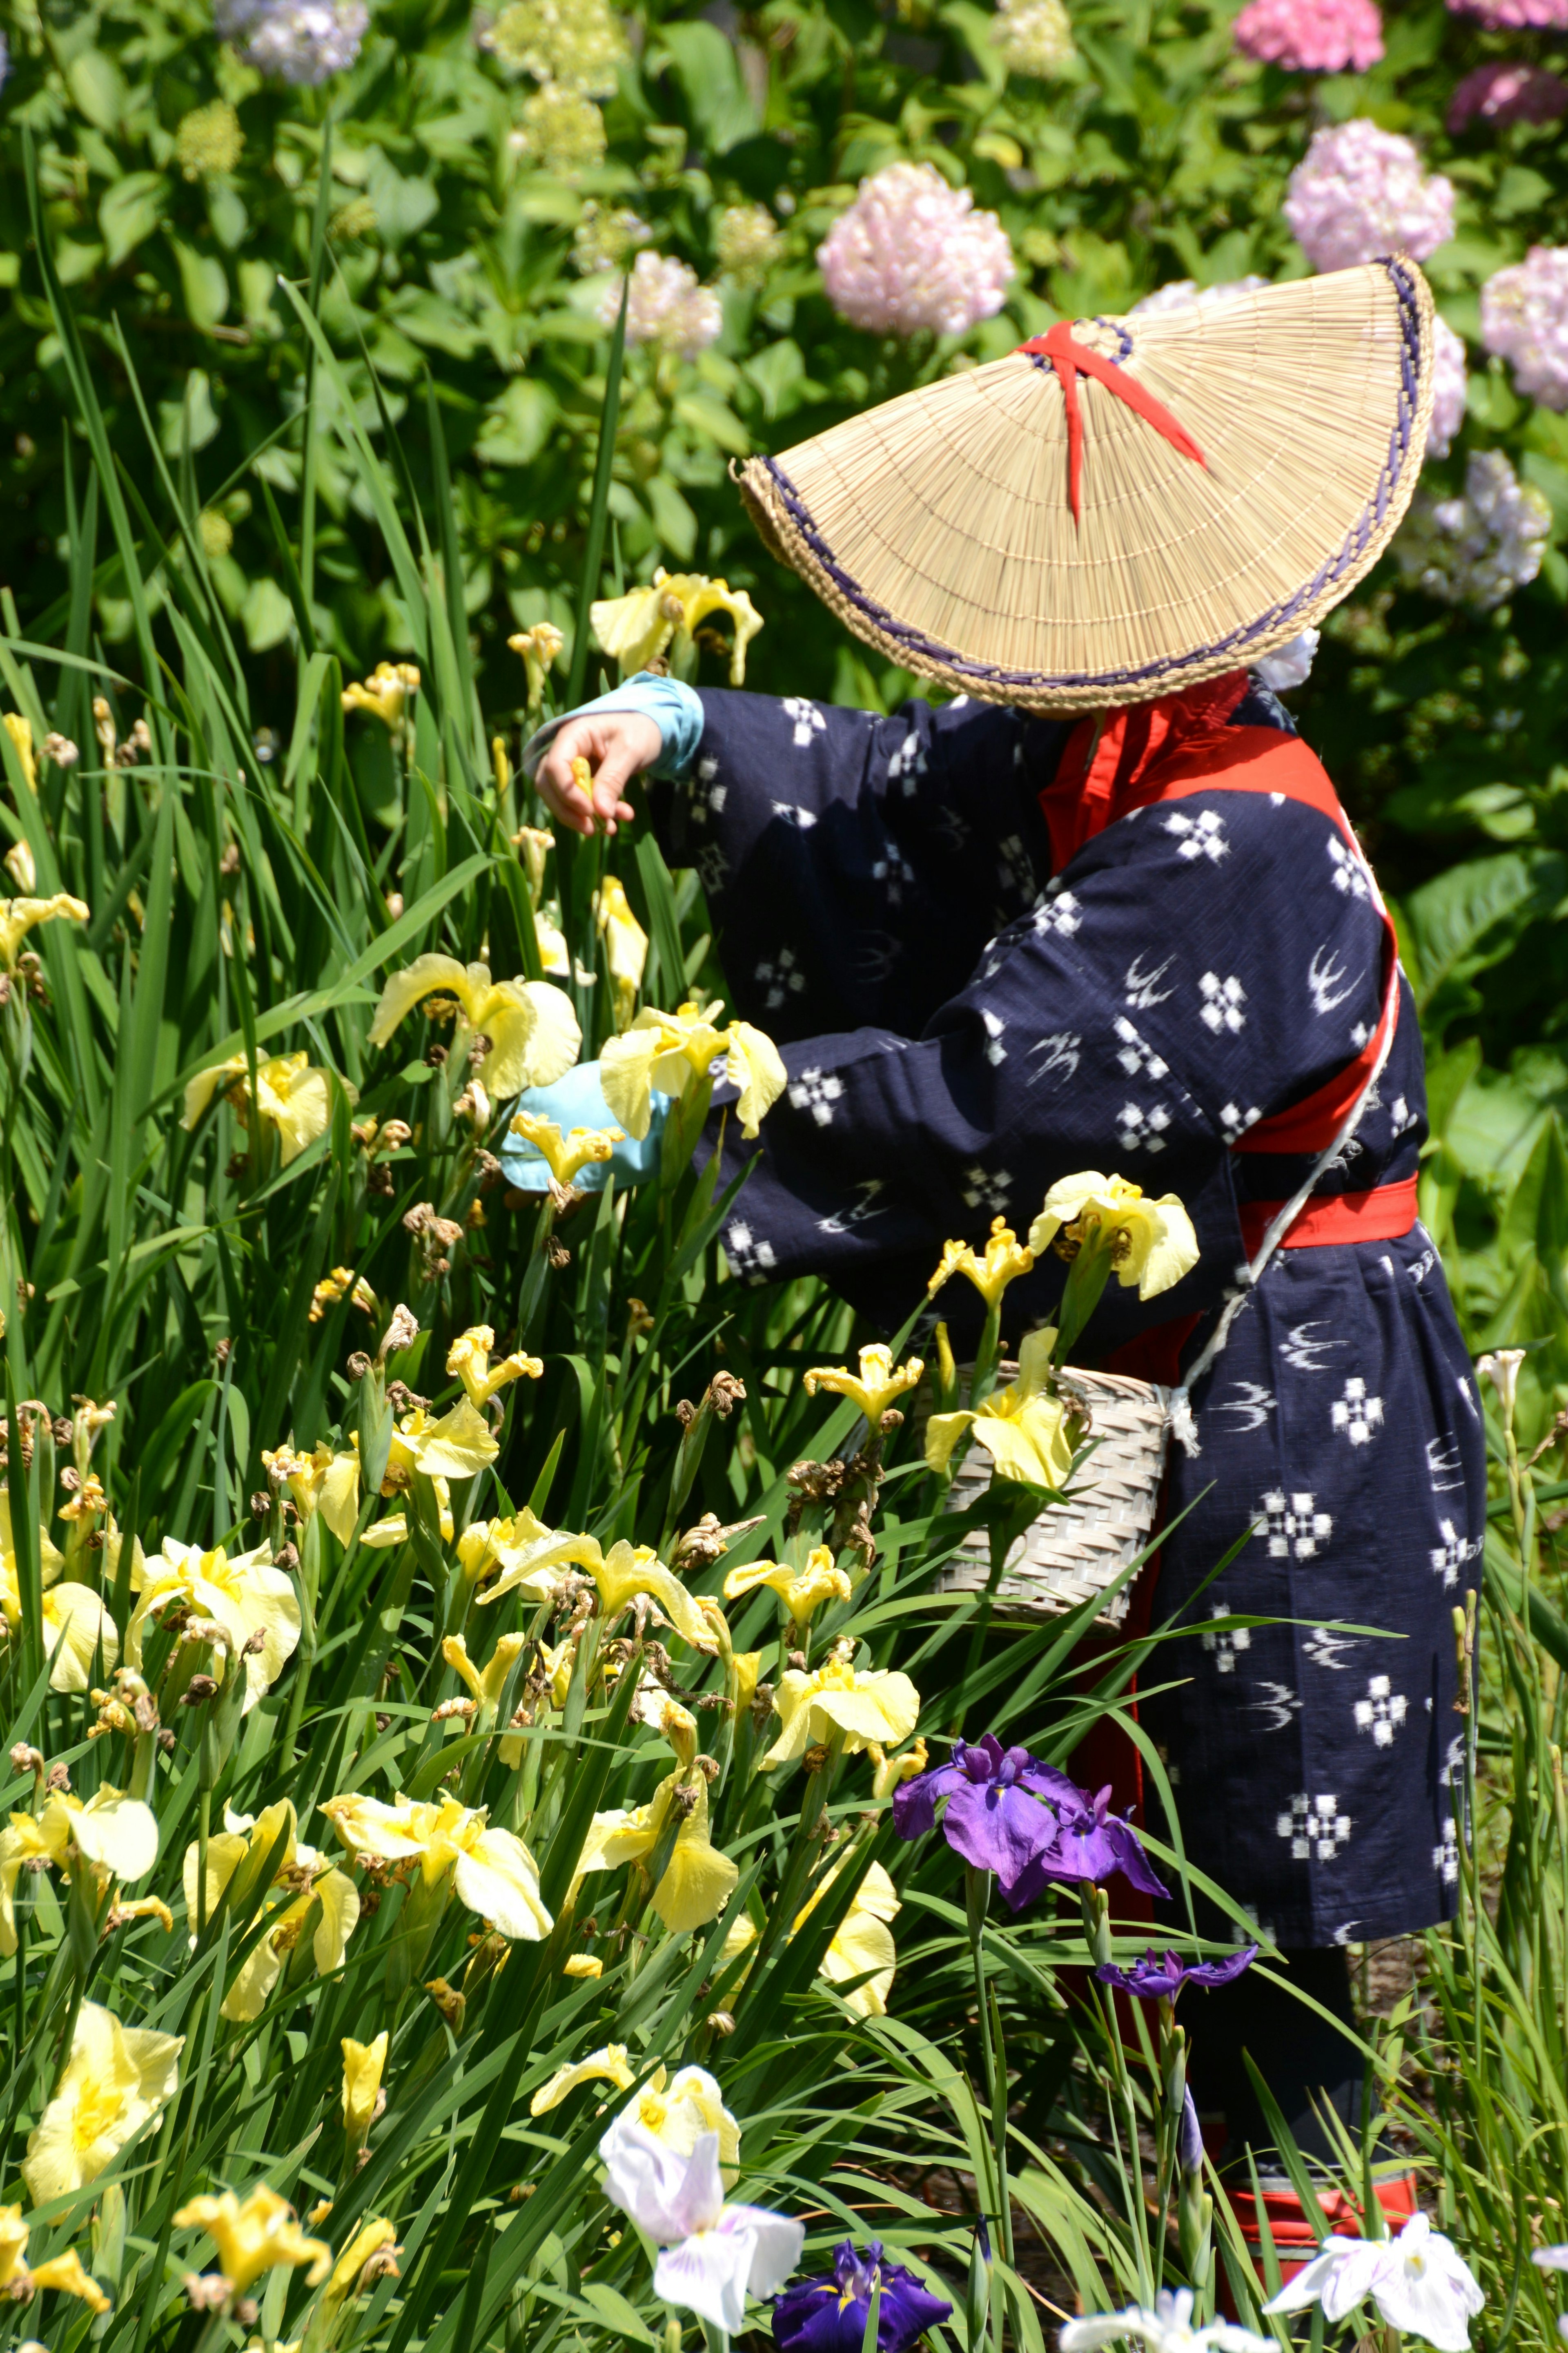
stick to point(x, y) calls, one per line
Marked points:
point(1159, 153)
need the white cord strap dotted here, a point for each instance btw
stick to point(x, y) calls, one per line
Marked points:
point(1180, 1412)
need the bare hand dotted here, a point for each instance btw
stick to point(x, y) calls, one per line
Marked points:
point(616, 745)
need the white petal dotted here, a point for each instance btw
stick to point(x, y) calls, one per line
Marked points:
point(707, 2274)
point(776, 2243)
point(504, 1897)
point(643, 2177)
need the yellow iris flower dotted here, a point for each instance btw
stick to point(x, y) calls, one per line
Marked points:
point(875, 1704)
point(1152, 1240)
point(534, 1032)
point(670, 1051)
point(367, 2258)
point(538, 648)
point(626, 946)
point(493, 1872)
point(489, 1682)
point(639, 629)
point(803, 1591)
point(246, 1595)
point(242, 1841)
point(862, 1942)
point(384, 692)
point(364, 2065)
point(18, 917)
point(115, 1835)
point(538, 1553)
point(455, 1444)
point(293, 1094)
point(1005, 1259)
point(470, 1358)
point(256, 2236)
point(71, 1610)
point(566, 1155)
point(115, 2080)
point(880, 1383)
point(1024, 1429)
point(19, 728)
point(698, 1880)
point(678, 2115)
point(20, 2279)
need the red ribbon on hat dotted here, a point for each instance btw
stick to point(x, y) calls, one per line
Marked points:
point(1067, 358)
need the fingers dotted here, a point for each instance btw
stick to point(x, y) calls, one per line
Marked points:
point(615, 745)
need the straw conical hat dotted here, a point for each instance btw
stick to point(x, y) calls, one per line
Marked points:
point(1243, 465)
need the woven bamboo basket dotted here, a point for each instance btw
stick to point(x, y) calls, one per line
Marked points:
point(1075, 1550)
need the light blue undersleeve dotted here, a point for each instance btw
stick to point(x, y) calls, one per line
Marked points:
point(675, 711)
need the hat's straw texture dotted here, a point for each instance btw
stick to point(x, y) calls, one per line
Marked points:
point(938, 525)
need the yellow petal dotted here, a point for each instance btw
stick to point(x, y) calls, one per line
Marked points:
point(756, 1068)
point(535, 1034)
point(401, 991)
point(606, 2066)
point(91, 1646)
point(635, 629)
point(65, 2274)
point(626, 1076)
point(121, 1833)
point(363, 2063)
point(944, 1431)
point(497, 1878)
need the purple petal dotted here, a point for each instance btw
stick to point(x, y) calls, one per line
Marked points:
point(915, 1801)
point(997, 1829)
point(1130, 1858)
point(1045, 1781)
point(986, 1755)
point(1222, 1972)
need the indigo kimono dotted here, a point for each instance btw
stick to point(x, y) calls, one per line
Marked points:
point(962, 1027)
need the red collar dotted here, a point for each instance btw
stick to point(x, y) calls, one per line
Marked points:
point(1115, 760)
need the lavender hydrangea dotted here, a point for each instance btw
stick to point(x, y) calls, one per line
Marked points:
point(304, 42)
point(1507, 92)
point(1448, 383)
point(1311, 35)
point(1476, 549)
point(1359, 192)
point(1524, 317)
point(1515, 15)
point(1186, 294)
point(666, 305)
point(911, 252)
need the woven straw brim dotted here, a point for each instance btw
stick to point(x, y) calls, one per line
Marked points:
point(938, 525)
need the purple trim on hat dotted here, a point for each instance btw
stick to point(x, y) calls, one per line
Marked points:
point(1117, 358)
point(1349, 555)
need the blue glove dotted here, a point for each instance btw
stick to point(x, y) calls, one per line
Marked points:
point(578, 1100)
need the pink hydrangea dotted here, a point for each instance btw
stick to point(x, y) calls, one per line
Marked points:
point(1311, 35)
point(1448, 388)
point(911, 252)
point(1524, 316)
point(1516, 16)
point(1359, 192)
point(1509, 93)
point(666, 305)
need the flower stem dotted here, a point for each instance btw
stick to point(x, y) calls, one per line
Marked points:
point(977, 1900)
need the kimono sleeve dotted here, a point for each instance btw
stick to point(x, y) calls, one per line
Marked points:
point(1197, 966)
point(856, 865)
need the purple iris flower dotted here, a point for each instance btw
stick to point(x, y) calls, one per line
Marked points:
point(829, 2315)
point(1160, 1977)
point(995, 1818)
point(1090, 1843)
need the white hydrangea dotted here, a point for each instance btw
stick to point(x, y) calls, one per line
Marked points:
point(1448, 382)
point(304, 42)
point(666, 305)
point(1476, 549)
point(1033, 37)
